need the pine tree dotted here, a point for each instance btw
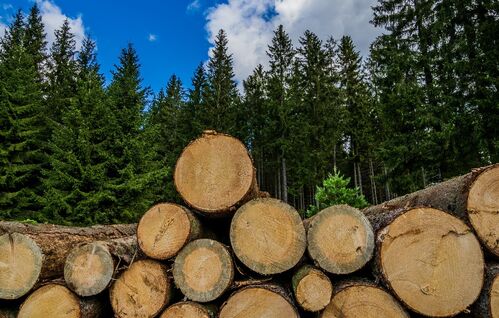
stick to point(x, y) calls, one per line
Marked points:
point(196, 102)
point(35, 39)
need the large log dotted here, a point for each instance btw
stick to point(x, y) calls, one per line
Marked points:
point(340, 239)
point(362, 299)
point(56, 241)
point(165, 228)
point(268, 236)
point(257, 302)
point(90, 267)
point(215, 174)
point(474, 195)
point(188, 309)
point(203, 270)
point(487, 305)
point(143, 290)
point(312, 288)
point(431, 260)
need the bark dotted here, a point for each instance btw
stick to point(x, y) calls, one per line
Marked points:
point(484, 307)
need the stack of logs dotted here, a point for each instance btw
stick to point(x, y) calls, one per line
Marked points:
point(231, 251)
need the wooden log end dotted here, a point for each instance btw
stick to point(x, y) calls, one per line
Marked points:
point(51, 300)
point(340, 239)
point(312, 288)
point(187, 309)
point(203, 270)
point(20, 265)
point(268, 236)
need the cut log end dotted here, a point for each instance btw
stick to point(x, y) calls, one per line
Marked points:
point(268, 236)
point(186, 309)
point(432, 261)
point(363, 301)
point(89, 269)
point(312, 288)
point(214, 173)
point(164, 229)
point(203, 270)
point(141, 291)
point(20, 265)
point(257, 302)
point(483, 208)
point(340, 239)
point(51, 301)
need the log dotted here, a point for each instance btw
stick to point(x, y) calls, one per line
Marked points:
point(431, 260)
point(203, 270)
point(188, 309)
point(268, 236)
point(312, 288)
point(487, 305)
point(55, 300)
point(165, 228)
point(340, 239)
point(143, 290)
point(215, 174)
point(20, 265)
point(474, 195)
point(361, 299)
point(90, 267)
point(259, 301)
point(57, 241)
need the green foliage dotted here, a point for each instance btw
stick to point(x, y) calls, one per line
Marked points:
point(334, 191)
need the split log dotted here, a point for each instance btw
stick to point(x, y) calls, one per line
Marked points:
point(487, 305)
point(431, 260)
point(203, 270)
point(215, 173)
point(474, 195)
point(188, 309)
point(340, 239)
point(165, 228)
point(268, 236)
point(143, 290)
point(57, 241)
point(90, 267)
point(259, 301)
point(312, 288)
point(20, 265)
point(54, 300)
point(360, 299)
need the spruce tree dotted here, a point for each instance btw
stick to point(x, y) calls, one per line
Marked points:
point(196, 102)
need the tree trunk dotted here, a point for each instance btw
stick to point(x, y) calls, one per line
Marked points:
point(312, 288)
point(284, 180)
point(487, 305)
point(215, 174)
point(268, 236)
point(203, 270)
point(420, 252)
point(474, 195)
point(56, 241)
point(90, 267)
point(340, 239)
point(188, 309)
point(259, 301)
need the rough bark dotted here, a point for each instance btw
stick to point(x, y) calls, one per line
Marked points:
point(312, 288)
point(487, 305)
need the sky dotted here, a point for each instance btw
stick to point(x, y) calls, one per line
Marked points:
point(175, 36)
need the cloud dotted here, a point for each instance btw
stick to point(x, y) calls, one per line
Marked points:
point(7, 6)
point(53, 18)
point(250, 24)
point(194, 5)
point(3, 27)
point(152, 37)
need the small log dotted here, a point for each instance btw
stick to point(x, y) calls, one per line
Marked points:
point(55, 300)
point(487, 305)
point(215, 174)
point(340, 239)
point(361, 299)
point(20, 265)
point(259, 301)
point(431, 260)
point(268, 236)
point(90, 267)
point(57, 241)
point(312, 288)
point(203, 270)
point(143, 290)
point(188, 309)
point(474, 195)
point(165, 228)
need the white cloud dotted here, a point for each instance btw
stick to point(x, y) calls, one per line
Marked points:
point(250, 28)
point(53, 18)
point(152, 37)
point(7, 6)
point(3, 27)
point(194, 5)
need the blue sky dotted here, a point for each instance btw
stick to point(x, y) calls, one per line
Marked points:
point(174, 36)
